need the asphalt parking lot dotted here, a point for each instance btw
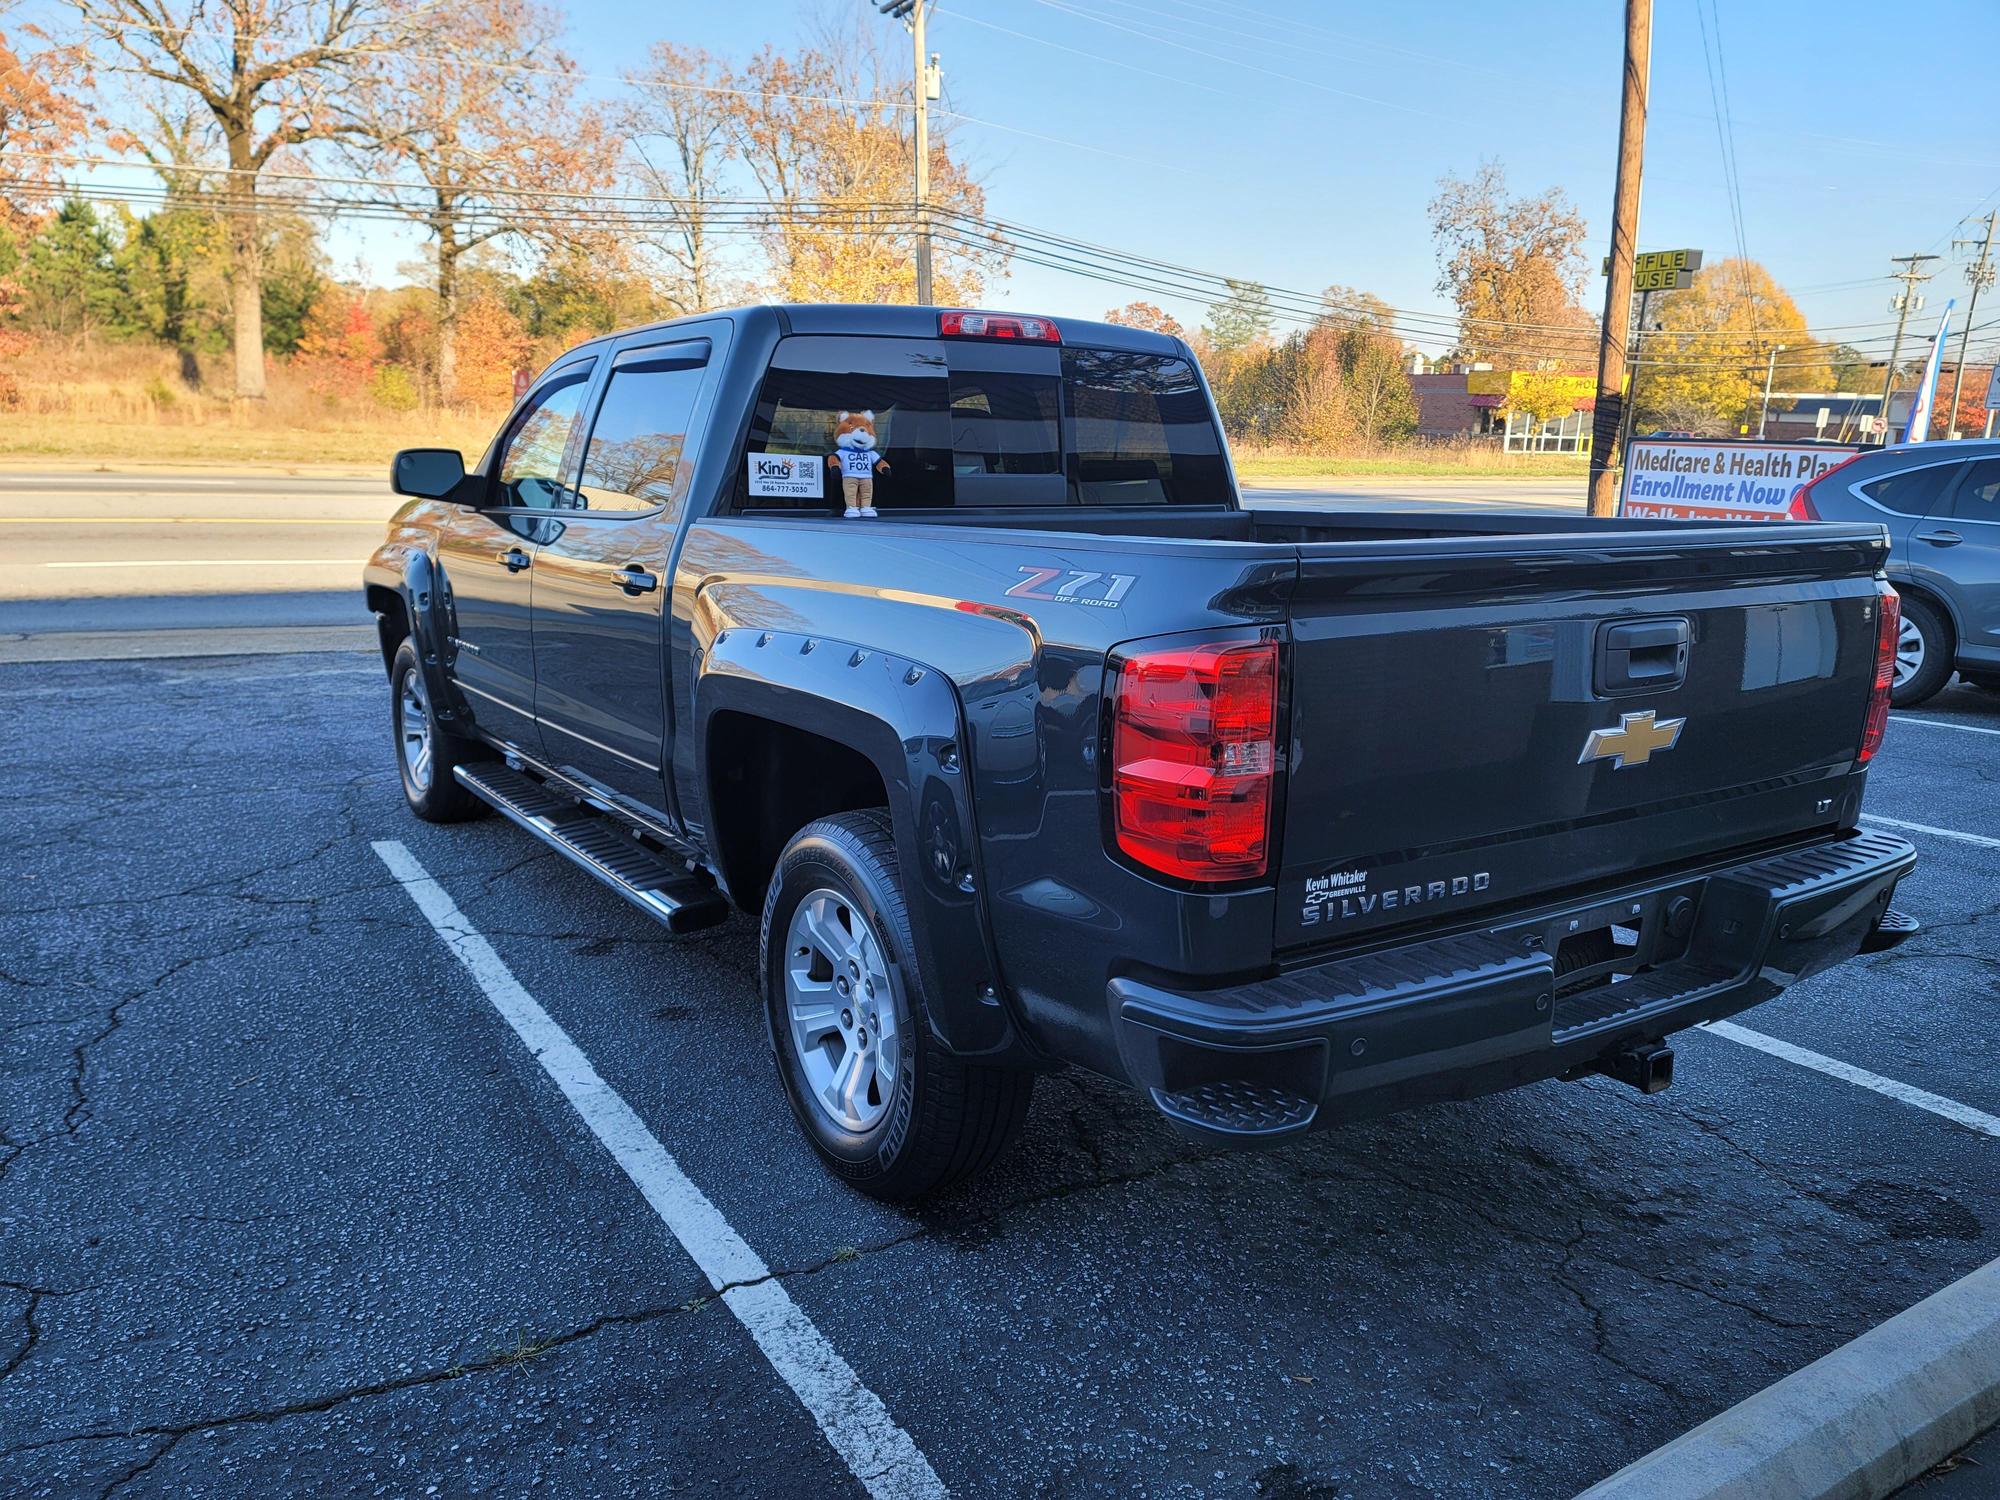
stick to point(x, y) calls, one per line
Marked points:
point(287, 1207)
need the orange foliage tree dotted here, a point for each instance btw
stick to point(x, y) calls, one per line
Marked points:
point(340, 347)
point(491, 345)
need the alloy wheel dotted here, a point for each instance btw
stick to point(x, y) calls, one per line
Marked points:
point(842, 1012)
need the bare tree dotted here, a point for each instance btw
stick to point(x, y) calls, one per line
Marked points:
point(480, 113)
point(274, 74)
point(682, 134)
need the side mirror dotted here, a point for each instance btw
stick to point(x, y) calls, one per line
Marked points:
point(427, 473)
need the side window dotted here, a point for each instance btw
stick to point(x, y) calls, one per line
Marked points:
point(1911, 492)
point(1978, 498)
point(637, 459)
point(531, 457)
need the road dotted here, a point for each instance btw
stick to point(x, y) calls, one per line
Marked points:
point(89, 552)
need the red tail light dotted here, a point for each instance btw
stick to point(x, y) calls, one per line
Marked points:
point(1888, 623)
point(979, 325)
point(1194, 758)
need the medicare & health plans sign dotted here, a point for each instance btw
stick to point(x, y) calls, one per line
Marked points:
point(1712, 479)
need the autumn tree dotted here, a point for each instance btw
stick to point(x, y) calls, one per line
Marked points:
point(491, 346)
point(339, 349)
point(1707, 349)
point(683, 131)
point(480, 116)
point(273, 74)
point(44, 112)
point(835, 163)
point(1146, 315)
point(1515, 269)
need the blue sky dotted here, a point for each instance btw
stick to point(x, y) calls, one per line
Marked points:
point(1297, 144)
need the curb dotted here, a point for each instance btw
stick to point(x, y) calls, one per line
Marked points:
point(134, 645)
point(1860, 1423)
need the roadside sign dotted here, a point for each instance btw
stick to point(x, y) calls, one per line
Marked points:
point(520, 383)
point(1719, 479)
point(1662, 279)
point(1993, 390)
point(1652, 262)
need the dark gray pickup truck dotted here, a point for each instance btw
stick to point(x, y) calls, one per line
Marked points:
point(1065, 758)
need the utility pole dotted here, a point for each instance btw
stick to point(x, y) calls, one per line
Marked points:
point(1980, 274)
point(1770, 370)
point(1902, 304)
point(928, 87)
point(1609, 418)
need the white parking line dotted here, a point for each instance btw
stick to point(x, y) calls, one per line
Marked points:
point(1943, 724)
point(1944, 833)
point(1833, 1067)
point(883, 1457)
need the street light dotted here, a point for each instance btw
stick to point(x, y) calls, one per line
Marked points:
point(1770, 369)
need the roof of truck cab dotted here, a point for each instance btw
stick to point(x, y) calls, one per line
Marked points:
point(904, 321)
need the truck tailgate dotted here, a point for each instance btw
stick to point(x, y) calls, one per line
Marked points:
point(1481, 722)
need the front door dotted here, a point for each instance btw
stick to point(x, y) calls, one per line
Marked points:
point(487, 559)
point(1960, 540)
point(602, 574)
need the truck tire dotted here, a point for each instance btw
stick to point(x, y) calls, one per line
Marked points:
point(425, 753)
point(888, 1109)
point(1923, 654)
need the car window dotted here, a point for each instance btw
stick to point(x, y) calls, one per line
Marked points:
point(636, 459)
point(531, 457)
point(1912, 492)
point(1142, 431)
point(1978, 498)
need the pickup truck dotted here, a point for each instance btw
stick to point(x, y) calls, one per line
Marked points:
point(1066, 758)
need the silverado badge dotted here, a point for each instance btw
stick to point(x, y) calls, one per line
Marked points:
point(1633, 742)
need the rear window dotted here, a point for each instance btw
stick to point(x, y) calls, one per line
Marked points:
point(968, 424)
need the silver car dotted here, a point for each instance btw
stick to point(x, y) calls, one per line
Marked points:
point(1941, 503)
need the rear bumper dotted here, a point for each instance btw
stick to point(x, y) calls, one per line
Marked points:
point(1454, 1017)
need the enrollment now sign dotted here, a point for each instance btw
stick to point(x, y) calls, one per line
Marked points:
point(1713, 479)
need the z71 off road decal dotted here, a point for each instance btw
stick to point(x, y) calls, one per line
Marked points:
point(1098, 590)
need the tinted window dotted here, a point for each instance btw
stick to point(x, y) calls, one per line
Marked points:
point(973, 423)
point(1911, 491)
point(1141, 430)
point(531, 456)
point(634, 461)
point(1978, 499)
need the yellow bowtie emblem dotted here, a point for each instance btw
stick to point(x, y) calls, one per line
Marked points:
point(1633, 742)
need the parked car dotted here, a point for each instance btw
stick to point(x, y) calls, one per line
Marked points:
point(1941, 503)
point(1065, 758)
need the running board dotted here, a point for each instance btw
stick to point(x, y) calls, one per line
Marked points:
point(678, 899)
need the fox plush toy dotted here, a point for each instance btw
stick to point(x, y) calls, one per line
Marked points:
point(855, 453)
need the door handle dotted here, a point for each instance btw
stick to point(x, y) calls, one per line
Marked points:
point(513, 559)
point(1940, 538)
point(635, 580)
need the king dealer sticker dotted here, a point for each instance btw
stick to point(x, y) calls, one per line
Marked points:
point(787, 476)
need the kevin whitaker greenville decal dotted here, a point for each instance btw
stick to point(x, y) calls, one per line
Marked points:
point(1344, 894)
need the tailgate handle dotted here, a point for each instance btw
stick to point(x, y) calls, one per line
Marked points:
point(1642, 656)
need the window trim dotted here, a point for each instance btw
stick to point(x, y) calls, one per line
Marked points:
point(637, 354)
point(583, 365)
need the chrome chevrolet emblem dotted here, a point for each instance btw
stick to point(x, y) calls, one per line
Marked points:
point(1633, 742)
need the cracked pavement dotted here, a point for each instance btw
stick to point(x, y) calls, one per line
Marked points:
point(284, 1208)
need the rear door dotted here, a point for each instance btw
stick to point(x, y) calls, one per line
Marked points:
point(487, 556)
point(1479, 722)
point(602, 571)
point(1960, 544)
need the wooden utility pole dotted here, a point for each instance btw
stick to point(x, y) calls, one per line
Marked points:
point(923, 155)
point(1608, 419)
point(1980, 274)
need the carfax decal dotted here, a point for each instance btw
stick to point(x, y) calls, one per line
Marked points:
point(1344, 894)
point(1098, 590)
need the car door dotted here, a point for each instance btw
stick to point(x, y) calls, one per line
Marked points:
point(602, 574)
point(1960, 544)
point(487, 557)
